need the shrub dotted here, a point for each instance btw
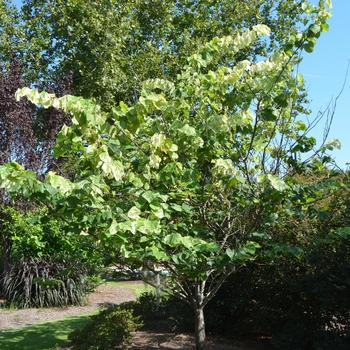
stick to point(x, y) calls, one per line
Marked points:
point(319, 312)
point(170, 314)
point(303, 303)
point(109, 329)
point(44, 282)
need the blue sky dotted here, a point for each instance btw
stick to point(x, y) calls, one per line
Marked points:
point(324, 72)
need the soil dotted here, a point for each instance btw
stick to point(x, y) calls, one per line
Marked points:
point(169, 341)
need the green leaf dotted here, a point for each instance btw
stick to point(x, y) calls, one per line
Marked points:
point(315, 29)
point(173, 240)
point(111, 167)
point(231, 253)
point(269, 114)
point(251, 247)
point(134, 213)
point(310, 45)
point(59, 183)
point(325, 27)
point(113, 229)
point(151, 227)
point(277, 183)
point(149, 196)
point(154, 161)
point(124, 107)
point(186, 208)
point(158, 254)
point(343, 232)
point(188, 130)
point(117, 170)
point(128, 226)
point(177, 207)
point(158, 212)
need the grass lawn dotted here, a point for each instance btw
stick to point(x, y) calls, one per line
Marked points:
point(138, 288)
point(51, 335)
point(43, 336)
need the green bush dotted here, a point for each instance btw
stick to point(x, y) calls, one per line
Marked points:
point(109, 329)
point(170, 314)
point(44, 282)
point(301, 302)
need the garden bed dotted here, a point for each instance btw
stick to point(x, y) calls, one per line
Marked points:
point(148, 340)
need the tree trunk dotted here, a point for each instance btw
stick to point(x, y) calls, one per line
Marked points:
point(200, 328)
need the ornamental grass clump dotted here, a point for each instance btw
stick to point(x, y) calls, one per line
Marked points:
point(44, 282)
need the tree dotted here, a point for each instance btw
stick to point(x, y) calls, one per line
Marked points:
point(110, 47)
point(27, 135)
point(10, 34)
point(17, 143)
point(183, 179)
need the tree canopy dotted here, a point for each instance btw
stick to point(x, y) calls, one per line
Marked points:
point(110, 47)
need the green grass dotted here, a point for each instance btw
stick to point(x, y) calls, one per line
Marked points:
point(43, 336)
point(137, 288)
point(51, 335)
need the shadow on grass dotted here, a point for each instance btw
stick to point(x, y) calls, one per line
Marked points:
point(44, 336)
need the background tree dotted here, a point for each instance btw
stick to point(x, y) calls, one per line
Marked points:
point(27, 137)
point(10, 33)
point(110, 47)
